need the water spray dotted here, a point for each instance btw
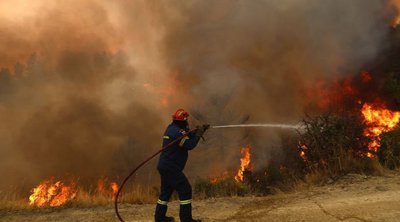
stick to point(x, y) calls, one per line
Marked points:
point(268, 125)
point(264, 125)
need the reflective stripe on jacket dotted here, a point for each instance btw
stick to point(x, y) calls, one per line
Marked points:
point(175, 157)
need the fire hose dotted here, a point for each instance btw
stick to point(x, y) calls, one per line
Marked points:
point(178, 139)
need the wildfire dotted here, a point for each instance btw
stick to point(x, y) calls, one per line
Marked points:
point(164, 93)
point(53, 194)
point(396, 20)
point(223, 176)
point(244, 163)
point(366, 76)
point(302, 152)
point(378, 120)
point(114, 188)
point(107, 188)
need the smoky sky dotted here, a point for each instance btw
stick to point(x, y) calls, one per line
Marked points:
point(87, 87)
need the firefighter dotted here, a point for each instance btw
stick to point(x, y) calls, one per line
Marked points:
point(171, 164)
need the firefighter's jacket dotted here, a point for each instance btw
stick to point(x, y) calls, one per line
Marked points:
point(174, 157)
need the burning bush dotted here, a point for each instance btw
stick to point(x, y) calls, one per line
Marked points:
point(244, 163)
point(333, 143)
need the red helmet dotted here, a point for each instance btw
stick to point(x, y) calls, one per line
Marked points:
point(180, 115)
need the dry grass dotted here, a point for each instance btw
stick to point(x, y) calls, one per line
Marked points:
point(14, 204)
point(222, 188)
point(140, 194)
point(13, 200)
point(137, 194)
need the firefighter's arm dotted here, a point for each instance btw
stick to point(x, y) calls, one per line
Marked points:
point(190, 141)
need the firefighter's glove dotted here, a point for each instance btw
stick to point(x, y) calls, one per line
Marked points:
point(202, 129)
point(206, 127)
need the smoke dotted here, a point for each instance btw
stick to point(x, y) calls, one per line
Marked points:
point(87, 87)
point(71, 96)
point(256, 59)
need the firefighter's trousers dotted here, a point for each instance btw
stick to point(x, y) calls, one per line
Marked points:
point(170, 181)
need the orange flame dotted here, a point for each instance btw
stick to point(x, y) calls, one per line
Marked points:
point(50, 193)
point(366, 76)
point(164, 93)
point(302, 152)
point(114, 188)
point(378, 120)
point(396, 20)
point(244, 163)
point(215, 180)
point(107, 188)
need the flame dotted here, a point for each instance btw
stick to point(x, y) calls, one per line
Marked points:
point(164, 93)
point(244, 163)
point(100, 186)
point(114, 188)
point(366, 76)
point(215, 180)
point(323, 93)
point(53, 194)
point(396, 20)
point(107, 188)
point(378, 120)
point(302, 152)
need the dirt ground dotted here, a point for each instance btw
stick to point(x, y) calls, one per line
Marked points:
point(351, 198)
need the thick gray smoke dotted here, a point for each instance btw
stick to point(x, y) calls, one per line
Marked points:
point(87, 87)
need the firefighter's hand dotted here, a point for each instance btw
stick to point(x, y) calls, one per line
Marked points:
point(206, 127)
point(201, 130)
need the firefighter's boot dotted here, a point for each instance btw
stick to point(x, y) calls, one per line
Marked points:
point(161, 211)
point(185, 213)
